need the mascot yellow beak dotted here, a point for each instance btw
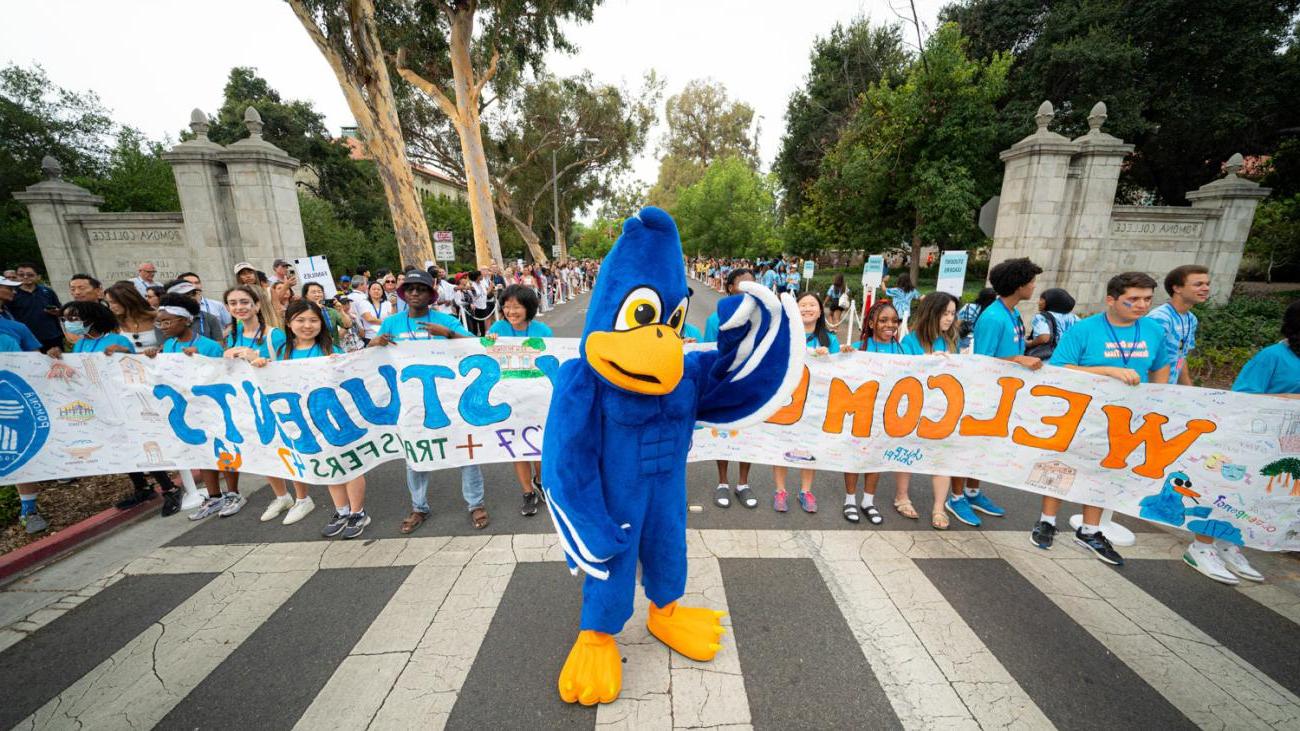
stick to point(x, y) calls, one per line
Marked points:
point(646, 360)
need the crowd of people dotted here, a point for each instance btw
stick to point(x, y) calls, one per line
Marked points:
point(268, 317)
point(1131, 341)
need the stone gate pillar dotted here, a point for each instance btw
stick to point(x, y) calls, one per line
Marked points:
point(205, 203)
point(1094, 178)
point(63, 246)
point(1030, 221)
point(1221, 246)
point(265, 197)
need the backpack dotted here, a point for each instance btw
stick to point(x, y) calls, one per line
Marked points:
point(1045, 350)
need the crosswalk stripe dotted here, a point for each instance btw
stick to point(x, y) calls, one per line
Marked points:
point(144, 680)
point(1211, 685)
point(1274, 597)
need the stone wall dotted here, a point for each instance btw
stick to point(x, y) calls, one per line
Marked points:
point(1057, 207)
point(238, 203)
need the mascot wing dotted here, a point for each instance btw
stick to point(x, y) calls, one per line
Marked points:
point(571, 478)
point(758, 363)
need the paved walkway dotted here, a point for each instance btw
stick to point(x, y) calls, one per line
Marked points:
point(237, 624)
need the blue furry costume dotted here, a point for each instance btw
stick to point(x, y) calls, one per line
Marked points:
point(619, 428)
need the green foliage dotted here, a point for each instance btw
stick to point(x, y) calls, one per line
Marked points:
point(595, 240)
point(346, 246)
point(843, 65)
point(450, 214)
point(137, 178)
point(731, 211)
point(1274, 242)
point(915, 160)
point(1230, 334)
point(704, 125)
point(10, 505)
point(38, 118)
point(1189, 82)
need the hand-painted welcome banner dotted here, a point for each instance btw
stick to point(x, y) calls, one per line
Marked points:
point(441, 404)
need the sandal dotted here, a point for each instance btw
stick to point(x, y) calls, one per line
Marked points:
point(905, 509)
point(479, 517)
point(851, 513)
point(939, 520)
point(722, 496)
point(873, 516)
point(412, 522)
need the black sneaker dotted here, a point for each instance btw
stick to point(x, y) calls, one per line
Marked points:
point(171, 503)
point(531, 501)
point(537, 487)
point(1100, 547)
point(357, 523)
point(335, 526)
point(1043, 535)
point(137, 497)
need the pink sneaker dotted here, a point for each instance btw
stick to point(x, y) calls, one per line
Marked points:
point(778, 502)
point(808, 502)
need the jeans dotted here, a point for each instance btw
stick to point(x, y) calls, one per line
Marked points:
point(471, 488)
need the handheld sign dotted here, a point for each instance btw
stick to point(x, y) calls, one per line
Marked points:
point(444, 246)
point(555, 250)
point(952, 273)
point(873, 272)
point(808, 269)
point(316, 269)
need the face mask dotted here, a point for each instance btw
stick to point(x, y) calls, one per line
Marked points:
point(74, 327)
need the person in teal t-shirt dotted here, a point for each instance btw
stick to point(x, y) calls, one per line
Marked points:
point(722, 493)
point(250, 337)
point(95, 327)
point(821, 343)
point(690, 333)
point(1117, 343)
point(903, 296)
point(519, 306)
point(1187, 286)
point(1275, 370)
point(421, 323)
point(934, 332)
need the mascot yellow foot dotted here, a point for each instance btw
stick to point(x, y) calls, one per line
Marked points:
point(594, 671)
point(693, 631)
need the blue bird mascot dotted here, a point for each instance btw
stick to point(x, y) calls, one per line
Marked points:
point(618, 431)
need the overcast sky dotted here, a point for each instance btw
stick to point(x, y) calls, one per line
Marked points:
point(152, 61)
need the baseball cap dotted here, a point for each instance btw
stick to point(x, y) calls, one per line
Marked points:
point(181, 288)
point(345, 278)
point(241, 266)
point(415, 277)
point(279, 262)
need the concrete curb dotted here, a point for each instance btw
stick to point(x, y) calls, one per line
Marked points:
point(74, 536)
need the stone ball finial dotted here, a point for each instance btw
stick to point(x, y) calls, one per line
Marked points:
point(199, 124)
point(253, 121)
point(1234, 165)
point(51, 167)
point(1096, 118)
point(1044, 115)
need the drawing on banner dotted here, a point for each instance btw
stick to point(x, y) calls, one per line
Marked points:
point(77, 412)
point(1284, 471)
point(1053, 477)
point(229, 458)
point(81, 449)
point(799, 455)
point(517, 360)
point(24, 423)
point(153, 454)
point(133, 371)
point(1168, 507)
point(316, 269)
point(146, 409)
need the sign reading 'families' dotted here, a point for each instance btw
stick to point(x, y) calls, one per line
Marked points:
point(440, 404)
point(316, 269)
point(873, 272)
point(952, 273)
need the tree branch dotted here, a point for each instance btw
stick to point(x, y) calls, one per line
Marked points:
point(477, 87)
point(428, 87)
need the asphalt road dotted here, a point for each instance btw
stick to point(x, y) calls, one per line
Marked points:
point(233, 623)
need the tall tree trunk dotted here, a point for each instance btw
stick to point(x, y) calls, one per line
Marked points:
point(487, 243)
point(525, 228)
point(562, 238)
point(376, 115)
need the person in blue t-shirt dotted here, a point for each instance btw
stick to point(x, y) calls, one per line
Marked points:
point(95, 328)
point(821, 343)
point(421, 323)
point(999, 332)
point(690, 333)
point(722, 493)
point(1275, 370)
point(769, 277)
point(176, 316)
point(969, 313)
point(903, 296)
point(879, 335)
point(519, 306)
point(9, 325)
point(250, 337)
point(1116, 344)
point(1187, 286)
point(1055, 317)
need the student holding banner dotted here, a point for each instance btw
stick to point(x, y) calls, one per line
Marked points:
point(935, 333)
point(821, 343)
point(1187, 286)
point(519, 306)
point(419, 322)
point(998, 333)
point(336, 318)
point(1115, 344)
point(176, 316)
point(722, 493)
point(879, 335)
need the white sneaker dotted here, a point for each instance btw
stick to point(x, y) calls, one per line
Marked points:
point(278, 505)
point(299, 511)
point(1203, 558)
point(234, 502)
point(1236, 562)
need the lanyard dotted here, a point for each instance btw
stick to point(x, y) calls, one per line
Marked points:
point(428, 317)
point(1184, 329)
point(1017, 323)
point(237, 334)
point(178, 346)
point(1137, 338)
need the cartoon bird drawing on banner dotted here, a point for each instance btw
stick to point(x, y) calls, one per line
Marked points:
point(1167, 507)
point(619, 429)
